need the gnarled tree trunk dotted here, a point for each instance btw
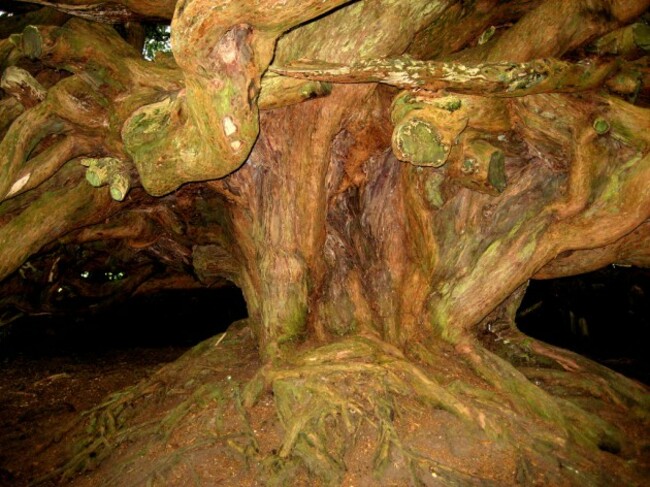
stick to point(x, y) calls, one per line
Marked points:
point(381, 178)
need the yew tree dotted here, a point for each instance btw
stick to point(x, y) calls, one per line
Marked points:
point(381, 178)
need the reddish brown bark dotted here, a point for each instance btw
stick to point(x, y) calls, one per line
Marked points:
point(382, 238)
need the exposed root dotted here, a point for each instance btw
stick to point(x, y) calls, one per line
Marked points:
point(594, 401)
point(337, 414)
point(326, 398)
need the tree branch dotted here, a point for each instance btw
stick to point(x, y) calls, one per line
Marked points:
point(210, 128)
point(113, 11)
point(505, 79)
point(67, 203)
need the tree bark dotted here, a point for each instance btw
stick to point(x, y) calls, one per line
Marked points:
point(382, 215)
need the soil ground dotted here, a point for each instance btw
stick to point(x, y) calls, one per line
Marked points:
point(44, 389)
point(54, 368)
point(41, 396)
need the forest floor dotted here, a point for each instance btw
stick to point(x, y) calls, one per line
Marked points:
point(40, 397)
point(45, 389)
point(53, 369)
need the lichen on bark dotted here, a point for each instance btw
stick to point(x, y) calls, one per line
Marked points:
point(381, 213)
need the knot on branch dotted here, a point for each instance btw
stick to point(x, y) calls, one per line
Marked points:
point(22, 86)
point(433, 131)
point(480, 167)
point(111, 171)
point(425, 130)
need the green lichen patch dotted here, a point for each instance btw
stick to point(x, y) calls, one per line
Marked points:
point(111, 171)
point(417, 142)
point(642, 36)
point(404, 103)
point(497, 171)
point(601, 126)
point(433, 189)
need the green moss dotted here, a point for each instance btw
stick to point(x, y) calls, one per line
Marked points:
point(642, 36)
point(95, 179)
point(402, 105)
point(32, 42)
point(528, 250)
point(449, 103)
point(16, 40)
point(486, 35)
point(293, 325)
point(339, 315)
point(433, 190)
point(420, 144)
point(492, 250)
point(497, 171)
point(611, 192)
point(601, 126)
point(625, 134)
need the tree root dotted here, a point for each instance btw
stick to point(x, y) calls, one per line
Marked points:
point(347, 411)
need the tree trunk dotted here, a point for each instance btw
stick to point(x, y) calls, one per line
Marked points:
point(383, 233)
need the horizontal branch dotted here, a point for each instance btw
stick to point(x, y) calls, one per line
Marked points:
point(496, 79)
point(113, 12)
point(281, 91)
point(633, 39)
point(632, 249)
point(41, 167)
point(134, 226)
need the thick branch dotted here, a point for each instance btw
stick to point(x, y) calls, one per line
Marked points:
point(67, 203)
point(10, 110)
point(605, 199)
point(21, 138)
point(631, 250)
point(68, 47)
point(630, 41)
point(556, 27)
point(71, 102)
point(22, 85)
point(17, 23)
point(135, 227)
point(113, 12)
point(498, 79)
point(41, 167)
point(210, 128)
